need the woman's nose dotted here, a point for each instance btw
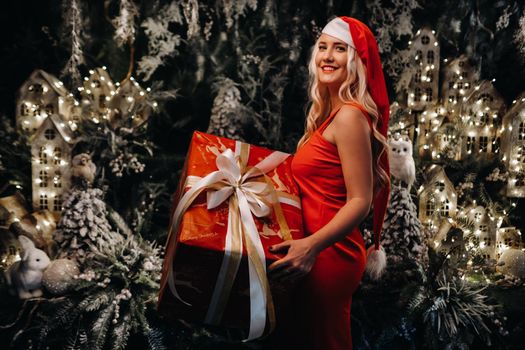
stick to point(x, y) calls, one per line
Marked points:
point(328, 55)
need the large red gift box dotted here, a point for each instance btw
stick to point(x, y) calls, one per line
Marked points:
point(234, 201)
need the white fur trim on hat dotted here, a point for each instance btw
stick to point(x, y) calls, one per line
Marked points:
point(339, 29)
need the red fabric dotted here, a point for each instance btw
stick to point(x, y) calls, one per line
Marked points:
point(323, 298)
point(367, 51)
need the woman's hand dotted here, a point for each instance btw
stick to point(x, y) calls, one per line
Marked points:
point(299, 260)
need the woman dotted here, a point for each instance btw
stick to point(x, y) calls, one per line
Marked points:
point(341, 167)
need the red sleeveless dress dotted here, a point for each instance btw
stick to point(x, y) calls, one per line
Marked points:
point(323, 298)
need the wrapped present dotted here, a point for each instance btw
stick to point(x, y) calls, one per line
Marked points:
point(234, 201)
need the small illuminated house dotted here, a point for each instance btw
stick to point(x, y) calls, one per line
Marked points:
point(459, 78)
point(430, 120)
point(51, 154)
point(96, 93)
point(506, 238)
point(513, 146)
point(483, 239)
point(423, 88)
point(481, 116)
point(130, 106)
point(40, 96)
point(437, 198)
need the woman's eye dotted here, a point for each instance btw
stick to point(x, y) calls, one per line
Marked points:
point(322, 47)
point(341, 49)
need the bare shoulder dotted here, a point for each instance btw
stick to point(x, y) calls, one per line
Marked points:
point(351, 120)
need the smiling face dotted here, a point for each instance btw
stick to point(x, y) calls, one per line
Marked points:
point(331, 60)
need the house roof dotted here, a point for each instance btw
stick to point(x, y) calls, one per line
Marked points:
point(62, 128)
point(52, 81)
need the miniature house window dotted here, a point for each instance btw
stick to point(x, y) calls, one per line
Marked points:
point(521, 131)
point(440, 186)
point(36, 110)
point(477, 216)
point(36, 88)
point(425, 40)
point(483, 228)
point(102, 101)
point(24, 110)
point(419, 55)
point(485, 256)
point(430, 57)
point(495, 144)
point(96, 83)
point(452, 98)
point(470, 143)
point(49, 134)
point(461, 63)
point(43, 201)
point(57, 204)
point(57, 154)
point(520, 181)
point(475, 240)
point(450, 84)
point(507, 241)
point(445, 208)
point(459, 85)
point(43, 178)
point(430, 76)
point(483, 142)
point(486, 98)
point(417, 94)
point(429, 94)
point(42, 155)
point(430, 207)
point(487, 240)
point(484, 118)
point(49, 109)
point(57, 179)
point(418, 75)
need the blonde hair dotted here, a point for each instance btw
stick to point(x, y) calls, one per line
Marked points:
point(353, 89)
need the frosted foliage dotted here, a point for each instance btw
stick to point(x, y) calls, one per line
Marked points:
point(125, 23)
point(191, 13)
point(519, 36)
point(390, 22)
point(403, 236)
point(72, 17)
point(234, 9)
point(504, 19)
point(83, 223)
point(226, 109)
point(161, 42)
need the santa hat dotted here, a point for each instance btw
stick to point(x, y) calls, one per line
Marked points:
point(358, 36)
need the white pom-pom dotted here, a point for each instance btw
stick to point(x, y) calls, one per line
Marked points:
point(375, 262)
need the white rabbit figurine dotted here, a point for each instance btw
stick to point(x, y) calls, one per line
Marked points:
point(25, 276)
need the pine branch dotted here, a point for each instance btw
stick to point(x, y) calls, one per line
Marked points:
point(100, 328)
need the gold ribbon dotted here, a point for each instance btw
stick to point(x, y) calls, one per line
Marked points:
point(248, 191)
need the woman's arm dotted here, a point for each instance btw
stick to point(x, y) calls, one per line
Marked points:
point(351, 134)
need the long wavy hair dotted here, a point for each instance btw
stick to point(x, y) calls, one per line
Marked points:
point(353, 89)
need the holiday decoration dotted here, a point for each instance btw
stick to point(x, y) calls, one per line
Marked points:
point(512, 261)
point(43, 95)
point(481, 115)
point(97, 91)
point(506, 238)
point(437, 199)
point(83, 168)
point(423, 89)
point(459, 78)
point(83, 223)
point(402, 165)
point(14, 209)
point(59, 276)
point(130, 106)
point(9, 248)
point(25, 276)
point(513, 146)
point(51, 153)
point(239, 180)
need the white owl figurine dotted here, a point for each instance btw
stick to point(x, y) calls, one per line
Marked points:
point(402, 165)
